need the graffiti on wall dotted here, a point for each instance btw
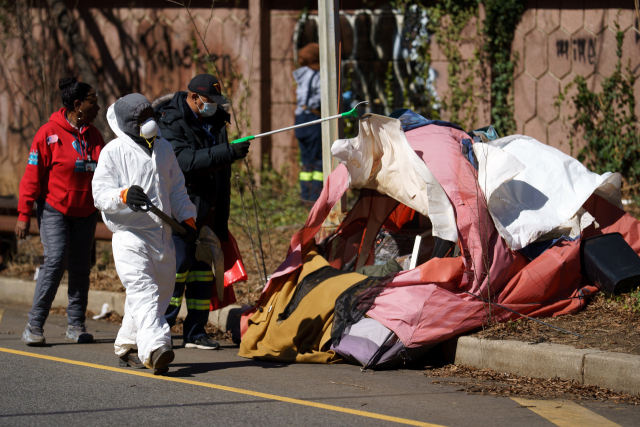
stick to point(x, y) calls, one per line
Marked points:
point(374, 52)
point(582, 50)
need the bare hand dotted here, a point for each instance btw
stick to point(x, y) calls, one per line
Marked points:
point(22, 229)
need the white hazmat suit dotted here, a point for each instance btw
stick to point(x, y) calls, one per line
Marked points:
point(143, 249)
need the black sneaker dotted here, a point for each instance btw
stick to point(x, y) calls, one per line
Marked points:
point(131, 359)
point(203, 343)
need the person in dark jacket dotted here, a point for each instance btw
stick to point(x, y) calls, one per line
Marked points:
point(57, 178)
point(195, 124)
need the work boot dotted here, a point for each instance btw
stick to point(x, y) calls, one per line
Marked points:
point(33, 336)
point(203, 343)
point(160, 359)
point(78, 334)
point(131, 359)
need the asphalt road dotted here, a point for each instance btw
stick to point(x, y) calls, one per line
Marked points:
point(67, 384)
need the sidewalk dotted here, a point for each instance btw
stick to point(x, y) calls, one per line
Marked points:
point(19, 291)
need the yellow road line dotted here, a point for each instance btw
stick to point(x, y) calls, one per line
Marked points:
point(565, 413)
point(229, 389)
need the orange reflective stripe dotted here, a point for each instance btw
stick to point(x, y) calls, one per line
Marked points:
point(191, 222)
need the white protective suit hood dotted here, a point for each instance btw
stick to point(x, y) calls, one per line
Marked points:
point(127, 164)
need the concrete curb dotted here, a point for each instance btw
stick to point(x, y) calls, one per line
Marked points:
point(617, 371)
point(19, 291)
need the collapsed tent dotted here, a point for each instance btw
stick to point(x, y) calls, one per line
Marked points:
point(419, 258)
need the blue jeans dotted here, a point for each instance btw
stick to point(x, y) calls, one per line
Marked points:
point(68, 243)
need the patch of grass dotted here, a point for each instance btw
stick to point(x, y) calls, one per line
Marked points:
point(278, 199)
point(626, 302)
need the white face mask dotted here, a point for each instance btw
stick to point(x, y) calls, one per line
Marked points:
point(149, 130)
point(209, 108)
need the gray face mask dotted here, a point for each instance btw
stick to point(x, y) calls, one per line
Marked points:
point(209, 108)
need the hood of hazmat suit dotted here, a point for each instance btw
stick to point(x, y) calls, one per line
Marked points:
point(126, 164)
point(143, 248)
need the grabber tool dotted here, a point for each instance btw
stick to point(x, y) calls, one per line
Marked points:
point(351, 113)
point(150, 207)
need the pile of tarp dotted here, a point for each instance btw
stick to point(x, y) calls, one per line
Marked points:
point(501, 221)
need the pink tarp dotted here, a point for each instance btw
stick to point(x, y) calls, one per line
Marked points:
point(434, 301)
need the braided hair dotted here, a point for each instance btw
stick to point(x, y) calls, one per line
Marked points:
point(72, 91)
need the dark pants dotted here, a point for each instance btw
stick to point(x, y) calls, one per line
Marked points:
point(310, 143)
point(197, 278)
point(67, 242)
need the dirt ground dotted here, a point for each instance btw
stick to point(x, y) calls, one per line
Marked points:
point(488, 382)
point(104, 277)
point(275, 245)
point(607, 323)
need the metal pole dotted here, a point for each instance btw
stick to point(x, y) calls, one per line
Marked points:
point(329, 37)
point(351, 113)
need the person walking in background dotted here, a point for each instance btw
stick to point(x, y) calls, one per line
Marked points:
point(307, 78)
point(63, 157)
point(194, 122)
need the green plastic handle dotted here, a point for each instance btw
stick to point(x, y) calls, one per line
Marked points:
point(246, 138)
point(351, 113)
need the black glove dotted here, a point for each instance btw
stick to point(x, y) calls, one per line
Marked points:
point(136, 198)
point(192, 233)
point(240, 150)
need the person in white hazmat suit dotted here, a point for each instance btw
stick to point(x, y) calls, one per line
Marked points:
point(136, 165)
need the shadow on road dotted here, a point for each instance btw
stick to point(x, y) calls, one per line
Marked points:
point(186, 370)
point(98, 341)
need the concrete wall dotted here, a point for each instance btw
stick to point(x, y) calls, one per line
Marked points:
point(150, 50)
point(141, 47)
point(557, 44)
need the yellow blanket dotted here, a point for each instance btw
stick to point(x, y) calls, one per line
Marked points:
point(303, 336)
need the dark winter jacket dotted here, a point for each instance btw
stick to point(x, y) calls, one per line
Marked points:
point(206, 167)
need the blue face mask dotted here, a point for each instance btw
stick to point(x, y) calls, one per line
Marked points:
point(209, 108)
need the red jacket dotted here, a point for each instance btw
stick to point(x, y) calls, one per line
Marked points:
point(51, 168)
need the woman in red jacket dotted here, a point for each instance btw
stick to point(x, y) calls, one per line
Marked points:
point(58, 177)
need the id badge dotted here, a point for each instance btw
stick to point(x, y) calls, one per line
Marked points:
point(86, 165)
point(90, 166)
point(79, 166)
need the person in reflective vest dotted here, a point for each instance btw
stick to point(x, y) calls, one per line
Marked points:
point(194, 122)
point(307, 78)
